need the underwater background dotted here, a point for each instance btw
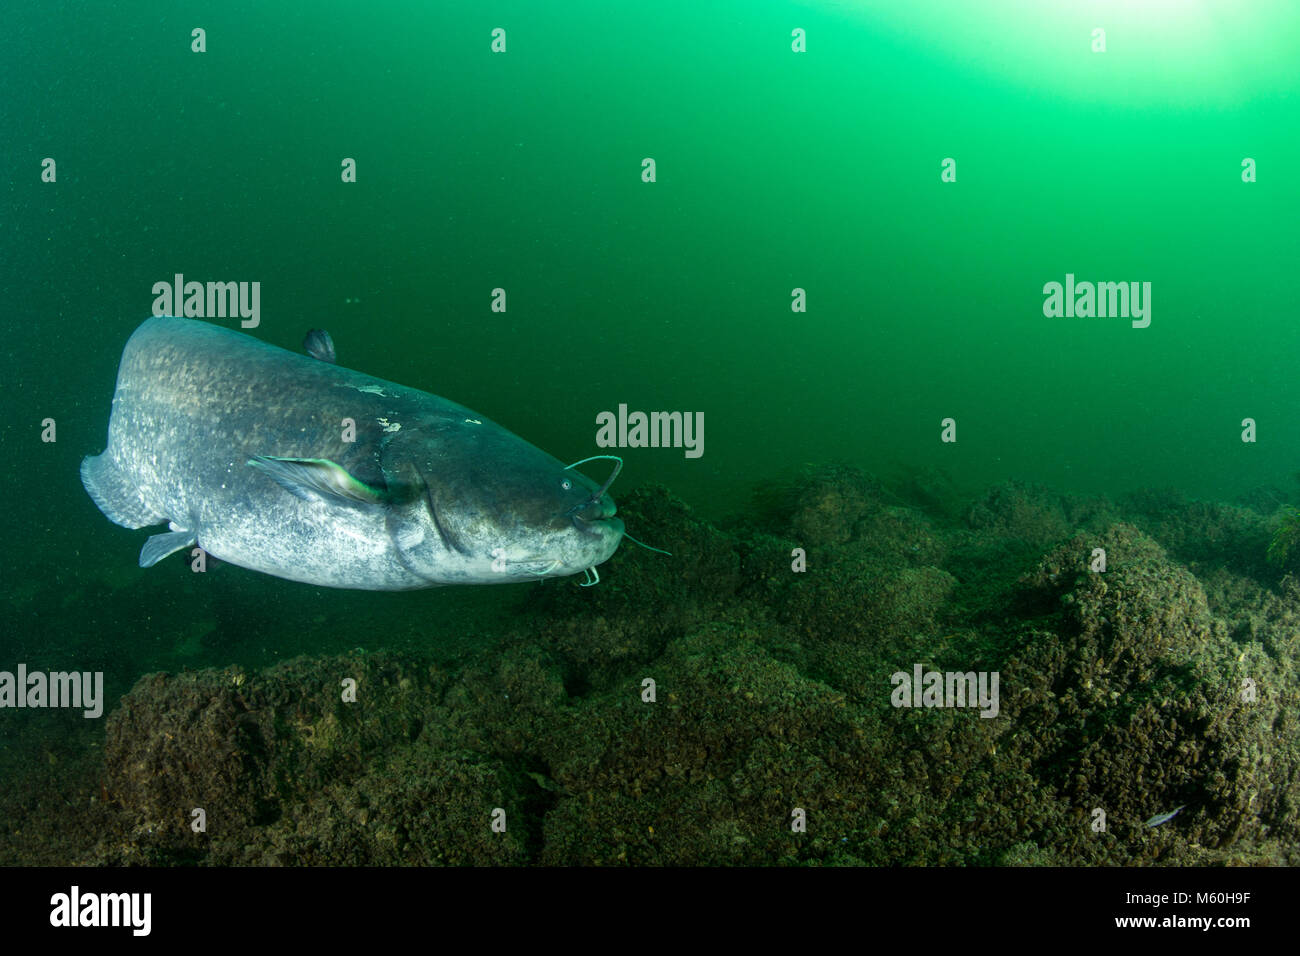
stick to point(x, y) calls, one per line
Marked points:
point(796, 146)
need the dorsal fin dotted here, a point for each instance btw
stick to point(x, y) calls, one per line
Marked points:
point(319, 345)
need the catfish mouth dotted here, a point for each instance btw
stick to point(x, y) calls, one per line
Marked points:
point(596, 516)
point(608, 530)
point(600, 526)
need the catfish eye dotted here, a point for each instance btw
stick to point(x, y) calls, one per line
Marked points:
point(566, 484)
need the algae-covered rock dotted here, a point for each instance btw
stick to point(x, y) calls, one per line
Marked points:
point(830, 503)
point(421, 808)
point(731, 704)
point(714, 770)
point(1031, 515)
point(242, 747)
point(1207, 535)
point(1136, 699)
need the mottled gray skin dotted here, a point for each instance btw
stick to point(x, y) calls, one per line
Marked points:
point(464, 500)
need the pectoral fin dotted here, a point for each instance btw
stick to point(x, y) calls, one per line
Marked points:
point(160, 545)
point(318, 479)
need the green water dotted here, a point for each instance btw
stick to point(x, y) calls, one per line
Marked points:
point(775, 170)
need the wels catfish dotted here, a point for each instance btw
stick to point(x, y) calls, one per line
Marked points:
point(243, 448)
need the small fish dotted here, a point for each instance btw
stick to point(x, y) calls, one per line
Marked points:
point(1164, 817)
